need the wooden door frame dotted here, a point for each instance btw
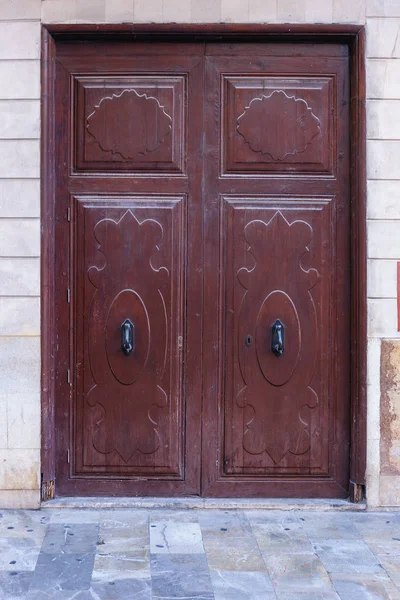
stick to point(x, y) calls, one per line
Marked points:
point(354, 37)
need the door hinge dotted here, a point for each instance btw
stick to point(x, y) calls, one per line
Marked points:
point(69, 296)
point(68, 456)
point(69, 376)
point(69, 214)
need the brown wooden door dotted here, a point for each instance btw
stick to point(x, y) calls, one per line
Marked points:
point(202, 198)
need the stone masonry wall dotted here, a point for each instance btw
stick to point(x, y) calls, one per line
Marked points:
point(20, 211)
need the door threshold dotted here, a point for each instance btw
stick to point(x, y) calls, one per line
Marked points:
point(193, 503)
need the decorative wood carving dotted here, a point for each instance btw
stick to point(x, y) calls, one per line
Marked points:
point(278, 125)
point(277, 269)
point(129, 403)
point(129, 124)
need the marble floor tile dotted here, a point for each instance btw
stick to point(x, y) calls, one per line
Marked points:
point(310, 595)
point(365, 587)
point(391, 564)
point(241, 585)
point(122, 589)
point(286, 538)
point(295, 572)
point(108, 566)
point(14, 584)
point(175, 538)
point(60, 595)
point(19, 554)
point(179, 516)
point(63, 572)
point(376, 526)
point(347, 556)
point(228, 523)
point(319, 525)
point(232, 553)
point(75, 515)
point(180, 576)
point(74, 538)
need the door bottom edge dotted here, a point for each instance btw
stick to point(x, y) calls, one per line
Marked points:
point(193, 503)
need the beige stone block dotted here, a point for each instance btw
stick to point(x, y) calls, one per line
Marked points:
point(383, 8)
point(382, 318)
point(58, 11)
point(19, 277)
point(348, 11)
point(119, 11)
point(318, 11)
point(382, 278)
point(382, 119)
point(20, 79)
point(3, 422)
point(90, 11)
point(19, 365)
point(384, 239)
point(19, 197)
point(19, 237)
point(373, 389)
point(383, 199)
point(19, 119)
point(383, 159)
point(148, 11)
point(373, 499)
point(23, 419)
point(20, 469)
point(383, 40)
point(176, 11)
point(206, 11)
point(291, 11)
point(19, 39)
point(19, 499)
point(19, 158)
point(383, 78)
point(389, 492)
point(263, 11)
point(373, 457)
point(19, 9)
point(234, 11)
point(390, 407)
point(19, 316)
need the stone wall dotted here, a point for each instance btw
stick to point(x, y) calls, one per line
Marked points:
point(20, 210)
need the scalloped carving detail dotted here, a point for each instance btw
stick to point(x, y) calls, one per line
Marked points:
point(139, 124)
point(285, 121)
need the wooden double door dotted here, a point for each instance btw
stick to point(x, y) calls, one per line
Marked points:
point(202, 269)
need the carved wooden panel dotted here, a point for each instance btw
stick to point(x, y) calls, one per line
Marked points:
point(276, 125)
point(278, 265)
point(129, 124)
point(129, 264)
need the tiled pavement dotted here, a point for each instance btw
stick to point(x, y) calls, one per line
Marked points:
point(199, 554)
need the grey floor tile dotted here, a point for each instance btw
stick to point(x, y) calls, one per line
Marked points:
point(175, 538)
point(241, 585)
point(113, 566)
point(14, 584)
point(391, 565)
point(327, 525)
point(301, 595)
point(272, 517)
point(179, 516)
point(347, 556)
point(180, 576)
point(59, 595)
point(63, 572)
point(122, 589)
point(19, 554)
point(75, 515)
point(286, 538)
point(75, 538)
point(229, 523)
point(23, 523)
point(233, 553)
point(365, 587)
point(292, 573)
point(376, 526)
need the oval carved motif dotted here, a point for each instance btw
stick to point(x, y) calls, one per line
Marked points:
point(127, 305)
point(278, 370)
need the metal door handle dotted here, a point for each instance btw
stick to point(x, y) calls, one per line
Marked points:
point(278, 338)
point(127, 337)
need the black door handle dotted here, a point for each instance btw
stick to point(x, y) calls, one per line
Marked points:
point(278, 338)
point(127, 337)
